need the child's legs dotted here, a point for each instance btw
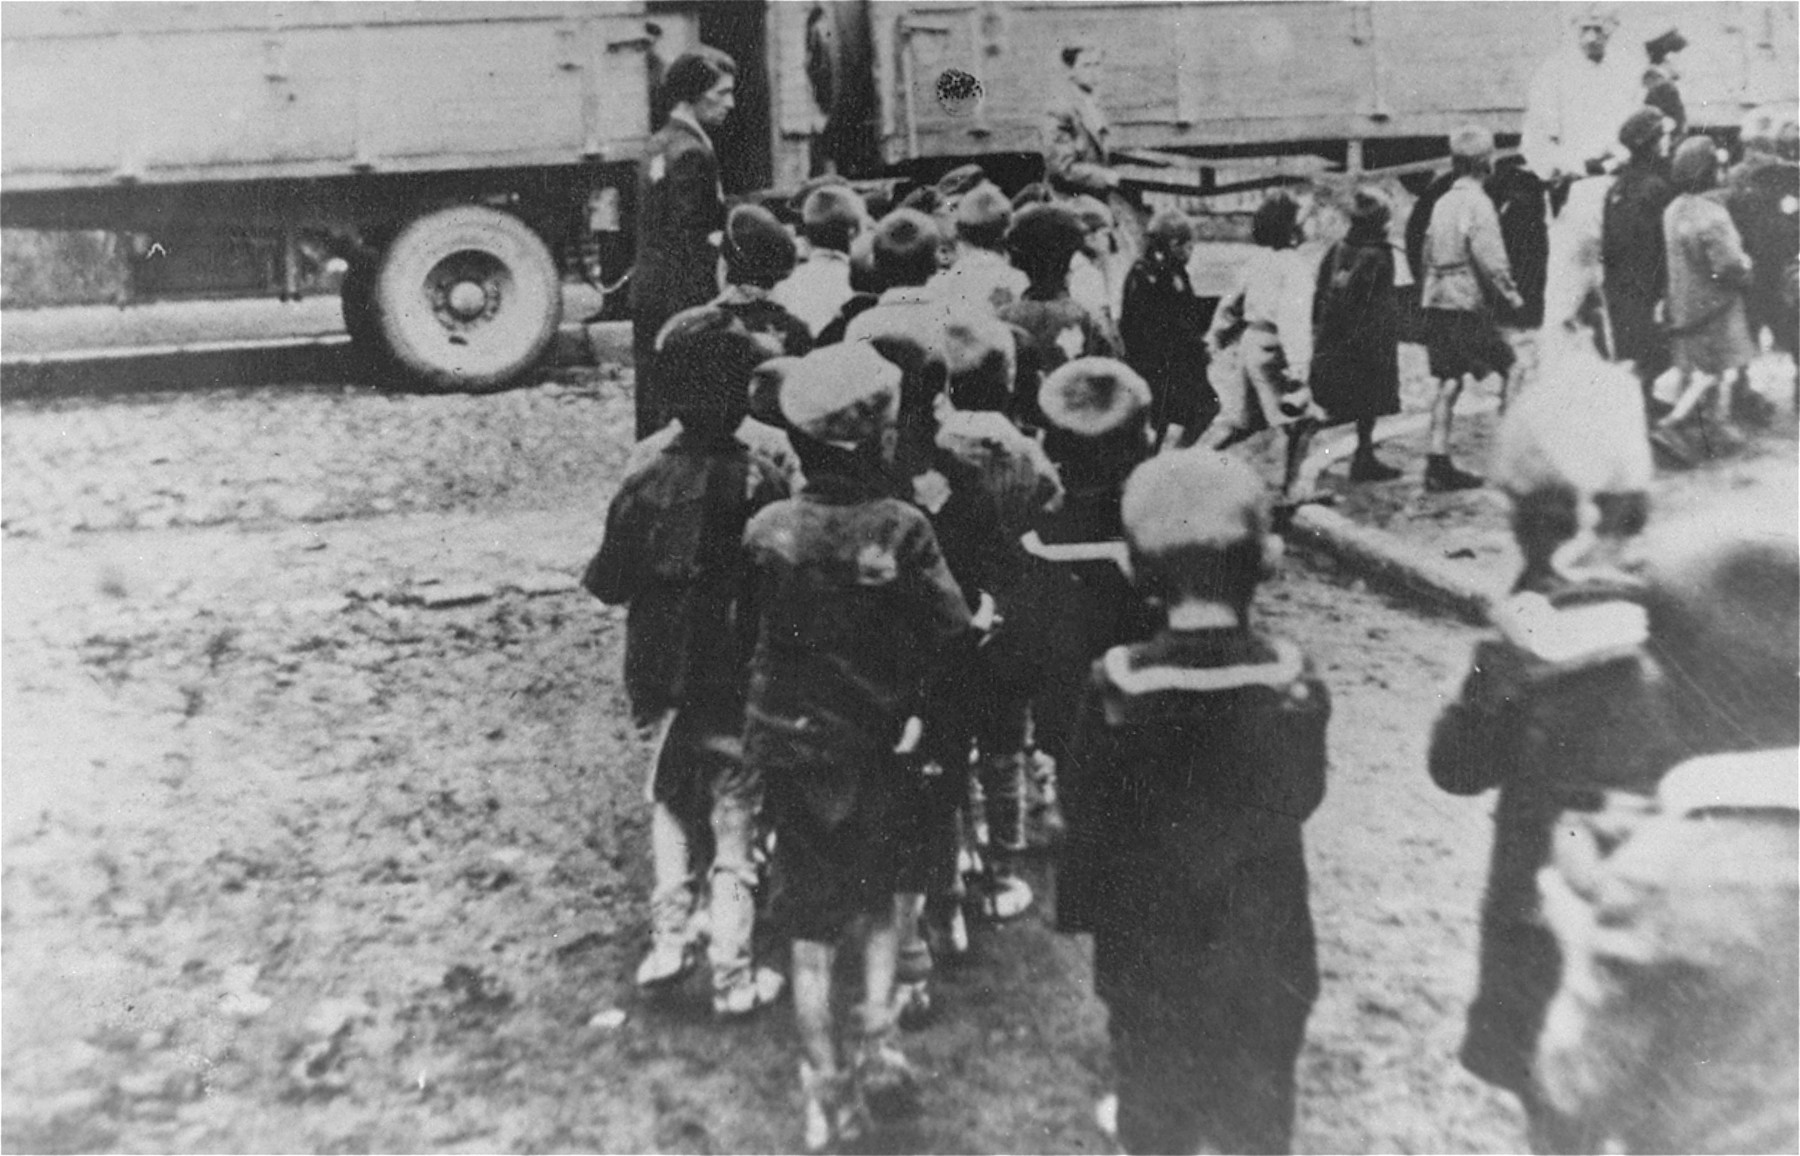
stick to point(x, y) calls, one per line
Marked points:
point(1001, 769)
point(881, 950)
point(813, 962)
point(671, 896)
point(1365, 436)
point(733, 881)
point(1299, 439)
point(1443, 409)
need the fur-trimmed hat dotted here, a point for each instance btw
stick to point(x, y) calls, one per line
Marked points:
point(843, 394)
point(905, 247)
point(1193, 499)
point(982, 360)
point(959, 181)
point(708, 367)
point(756, 247)
point(1695, 166)
point(1091, 212)
point(1641, 128)
point(833, 212)
point(1093, 396)
point(1472, 142)
point(985, 207)
point(765, 389)
point(1724, 607)
point(1046, 229)
point(1169, 227)
point(1036, 193)
point(1581, 427)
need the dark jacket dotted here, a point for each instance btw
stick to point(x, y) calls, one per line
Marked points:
point(856, 606)
point(679, 206)
point(1056, 330)
point(758, 314)
point(1197, 758)
point(1635, 266)
point(1553, 736)
point(671, 554)
point(1163, 327)
point(1760, 195)
point(1356, 330)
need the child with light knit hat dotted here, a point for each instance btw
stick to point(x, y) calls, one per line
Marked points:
point(857, 606)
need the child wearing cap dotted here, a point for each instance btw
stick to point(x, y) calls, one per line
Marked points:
point(927, 338)
point(1356, 333)
point(671, 556)
point(1041, 242)
point(1558, 706)
point(755, 254)
point(830, 219)
point(856, 605)
point(1198, 755)
point(980, 277)
point(1162, 326)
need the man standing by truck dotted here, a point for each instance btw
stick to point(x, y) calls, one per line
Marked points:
point(680, 204)
point(1077, 161)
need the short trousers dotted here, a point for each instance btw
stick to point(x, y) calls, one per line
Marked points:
point(1460, 342)
point(699, 759)
point(844, 809)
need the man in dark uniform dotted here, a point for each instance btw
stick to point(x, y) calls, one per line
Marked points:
point(679, 206)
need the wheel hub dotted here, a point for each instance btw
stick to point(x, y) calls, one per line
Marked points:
point(467, 300)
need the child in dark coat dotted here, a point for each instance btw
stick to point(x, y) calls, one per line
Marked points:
point(1041, 242)
point(756, 254)
point(1074, 598)
point(857, 606)
point(1198, 755)
point(1356, 334)
point(671, 555)
point(1559, 707)
point(1163, 327)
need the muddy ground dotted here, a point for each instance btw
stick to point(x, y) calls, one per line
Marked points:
point(323, 826)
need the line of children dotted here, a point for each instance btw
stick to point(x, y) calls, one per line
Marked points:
point(982, 550)
point(671, 556)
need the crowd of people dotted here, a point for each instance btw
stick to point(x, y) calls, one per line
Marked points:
point(935, 558)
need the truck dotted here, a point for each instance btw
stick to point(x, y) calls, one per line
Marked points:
point(463, 159)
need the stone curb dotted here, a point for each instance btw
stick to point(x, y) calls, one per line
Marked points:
point(1386, 561)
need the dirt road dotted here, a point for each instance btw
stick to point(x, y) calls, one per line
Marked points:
point(323, 829)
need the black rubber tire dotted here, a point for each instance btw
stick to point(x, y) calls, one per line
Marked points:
point(510, 299)
point(356, 300)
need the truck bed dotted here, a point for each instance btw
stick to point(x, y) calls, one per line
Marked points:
point(108, 94)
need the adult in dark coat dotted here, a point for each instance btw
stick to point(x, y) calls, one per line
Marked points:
point(1356, 334)
point(1631, 247)
point(680, 204)
point(1760, 195)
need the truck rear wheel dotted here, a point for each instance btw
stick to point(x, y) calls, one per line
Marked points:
point(467, 298)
